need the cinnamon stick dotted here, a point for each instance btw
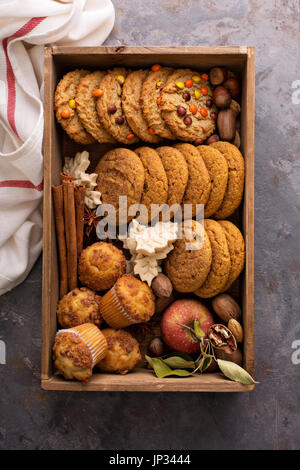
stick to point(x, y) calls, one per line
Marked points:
point(66, 177)
point(58, 203)
point(70, 230)
point(79, 210)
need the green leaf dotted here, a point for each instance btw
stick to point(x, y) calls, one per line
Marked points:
point(198, 330)
point(163, 370)
point(206, 363)
point(235, 372)
point(178, 362)
point(203, 363)
point(149, 360)
point(185, 356)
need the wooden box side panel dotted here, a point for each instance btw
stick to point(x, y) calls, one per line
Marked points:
point(247, 137)
point(142, 380)
point(52, 166)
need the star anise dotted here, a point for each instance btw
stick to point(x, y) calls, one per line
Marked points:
point(91, 220)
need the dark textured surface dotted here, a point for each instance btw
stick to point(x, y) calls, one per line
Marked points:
point(266, 419)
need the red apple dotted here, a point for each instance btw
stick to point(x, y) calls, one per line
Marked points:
point(184, 311)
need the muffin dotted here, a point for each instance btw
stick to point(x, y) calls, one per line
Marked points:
point(129, 301)
point(77, 350)
point(100, 265)
point(77, 307)
point(123, 352)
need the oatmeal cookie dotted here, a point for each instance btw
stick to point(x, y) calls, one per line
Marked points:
point(217, 167)
point(86, 106)
point(132, 107)
point(151, 101)
point(198, 186)
point(156, 183)
point(236, 245)
point(177, 173)
point(120, 173)
point(109, 107)
point(187, 105)
point(65, 107)
point(186, 268)
point(236, 175)
point(220, 266)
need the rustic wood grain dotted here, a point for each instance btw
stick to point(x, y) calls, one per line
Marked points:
point(142, 380)
point(247, 128)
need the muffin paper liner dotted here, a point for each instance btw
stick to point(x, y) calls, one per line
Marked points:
point(92, 337)
point(113, 312)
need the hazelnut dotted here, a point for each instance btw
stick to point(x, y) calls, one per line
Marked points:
point(162, 303)
point(213, 138)
point(156, 347)
point(221, 97)
point(217, 75)
point(236, 329)
point(162, 286)
point(234, 86)
point(226, 307)
point(234, 105)
point(226, 124)
point(231, 74)
point(237, 140)
point(235, 357)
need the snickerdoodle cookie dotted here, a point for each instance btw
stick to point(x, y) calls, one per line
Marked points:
point(100, 265)
point(109, 107)
point(65, 107)
point(132, 107)
point(198, 186)
point(151, 101)
point(188, 264)
point(120, 173)
point(217, 167)
point(236, 245)
point(86, 95)
point(156, 184)
point(177, 173)
point(220, 266)
point(236, 175)
point(187, 105)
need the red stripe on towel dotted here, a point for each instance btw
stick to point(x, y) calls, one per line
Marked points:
point(21, 184)
point(11, 84)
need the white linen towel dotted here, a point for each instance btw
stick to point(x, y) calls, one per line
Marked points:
point(25, 26)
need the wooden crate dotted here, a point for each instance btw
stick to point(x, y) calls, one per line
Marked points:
point(59, 60)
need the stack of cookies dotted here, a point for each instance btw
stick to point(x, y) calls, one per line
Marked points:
point(211, 175)
point(126, 106)
point(213, 267)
